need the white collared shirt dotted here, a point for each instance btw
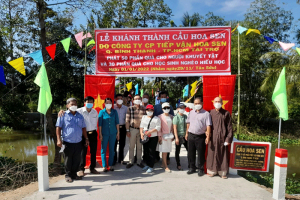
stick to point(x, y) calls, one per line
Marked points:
point(90, 118)
point(121, 113)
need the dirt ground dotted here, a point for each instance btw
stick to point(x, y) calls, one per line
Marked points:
point(287, 196)
point(26, 190)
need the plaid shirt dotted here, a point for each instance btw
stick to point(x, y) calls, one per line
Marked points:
point(134, 116)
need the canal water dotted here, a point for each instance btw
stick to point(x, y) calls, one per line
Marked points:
point(22, 145)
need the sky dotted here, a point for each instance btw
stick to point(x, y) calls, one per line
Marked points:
point(228, 9)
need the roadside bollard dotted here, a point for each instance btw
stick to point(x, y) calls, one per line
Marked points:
point(280, 171)
point(42, 164)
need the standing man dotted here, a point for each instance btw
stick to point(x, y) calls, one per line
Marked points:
point(197, 135)
point(91, 120)
point(90, 116)
point(133, 119)
point(217, 155)
point(158, 111)
point(122, 110)
point(145, 100)
point(71, 127)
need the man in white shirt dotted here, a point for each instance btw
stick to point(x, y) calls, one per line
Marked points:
point(121, 109)
point(90, 116)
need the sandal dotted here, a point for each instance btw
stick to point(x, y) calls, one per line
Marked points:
point(210, 175)
point(224, 177)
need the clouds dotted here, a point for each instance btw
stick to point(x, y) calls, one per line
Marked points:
point(238, 6)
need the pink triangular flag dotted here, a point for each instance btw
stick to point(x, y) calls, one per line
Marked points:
point(88, 35)
point(286, 46)
point(78, 38)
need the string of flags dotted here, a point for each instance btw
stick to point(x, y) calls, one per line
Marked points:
point(284, 46)
point(37, 56)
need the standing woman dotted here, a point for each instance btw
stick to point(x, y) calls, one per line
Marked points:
point(165, 134)
point(108, 123)
point(149, 127)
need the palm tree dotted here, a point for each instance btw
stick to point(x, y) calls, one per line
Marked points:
point(190, 20)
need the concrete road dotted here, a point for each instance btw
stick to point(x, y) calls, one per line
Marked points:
point(133, 183)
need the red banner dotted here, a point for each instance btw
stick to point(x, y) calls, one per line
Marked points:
point(99, 88)
point(163, 51)
point(218, 86)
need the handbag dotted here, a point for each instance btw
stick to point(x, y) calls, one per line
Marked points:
point(168, 136)
point(146, 138)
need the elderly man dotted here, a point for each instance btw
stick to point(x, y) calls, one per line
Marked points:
point(122, 110)
point(197, 135)
point(133, 119)
point(71, 127)
point(217, 155)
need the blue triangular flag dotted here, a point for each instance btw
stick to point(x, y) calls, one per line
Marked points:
point(241, 29)
point(271, 40)
point(136, 89)
point(2, 76)
point(186, 91)
point(37, 56)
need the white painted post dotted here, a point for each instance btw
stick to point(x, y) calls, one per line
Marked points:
point(42, 164)
point(280, 171)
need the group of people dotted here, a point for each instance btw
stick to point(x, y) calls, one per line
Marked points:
point(151, 131)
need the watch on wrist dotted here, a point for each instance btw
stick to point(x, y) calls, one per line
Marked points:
point(127, 130)
point(86, 138)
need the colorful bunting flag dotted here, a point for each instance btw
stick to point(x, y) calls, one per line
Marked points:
point(253, 30)
point(66, 44)
point(94, 48)
point(45, 97)
point(279, 96)
point(298, 50)
point(142, 92)
point(51, 50)
point(271, 40)
point(186, 91)
point(2, 76)
point(37, 56)
point(152, 93)
point(18, 64)
point(136, 89)
point(234, 29)
point(241, 29)
point(78, 38)
point(129, 86)
point(91, 42)
point(286, 46)
point(88, 35)
point(194, 86)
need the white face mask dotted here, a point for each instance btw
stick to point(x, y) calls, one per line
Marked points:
point(181, 110)
point(166, 111)
point(149, 113)
point(73, 108)
point(137, 102)
point(217, 105)
point(108, 106)
point(198, 107)
point(145, 100)
point(120, 101)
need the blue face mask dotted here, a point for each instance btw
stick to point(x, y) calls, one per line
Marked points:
point(163, 100)
point(89, 105)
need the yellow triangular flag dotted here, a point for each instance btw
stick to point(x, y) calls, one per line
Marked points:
point(18, 64)
point(234, 29)
point(129, 86)
point(253, 30)
point(194, 86)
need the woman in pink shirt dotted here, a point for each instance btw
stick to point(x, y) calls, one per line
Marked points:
point(165, 134)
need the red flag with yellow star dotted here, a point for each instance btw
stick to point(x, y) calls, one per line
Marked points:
point(218, 86)
point(100, 88)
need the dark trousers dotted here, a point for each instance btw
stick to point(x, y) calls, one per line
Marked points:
point(149, 151)
point(178, 147)
point(93, 150)
point(71, 154)
point(122, 142)
point(196, 143)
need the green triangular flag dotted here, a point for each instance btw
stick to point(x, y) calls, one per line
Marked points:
point(45, 97)
point(298, 50)
point(279, 96)
point(91, 42)
point(183, 91)
point(142, 92)
point(66, 44)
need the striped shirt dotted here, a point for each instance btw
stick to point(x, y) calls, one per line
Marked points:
point(134, 116)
